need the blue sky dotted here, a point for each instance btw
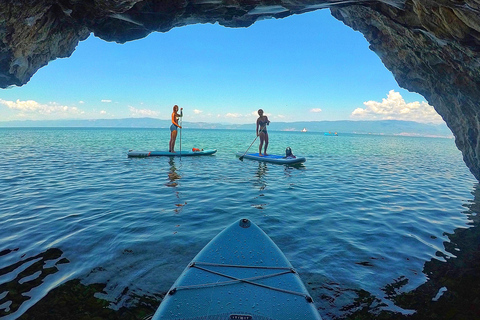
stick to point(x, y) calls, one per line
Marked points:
point(302, 68)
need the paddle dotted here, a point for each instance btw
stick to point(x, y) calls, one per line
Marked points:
point(181, 117)
point(241, 158)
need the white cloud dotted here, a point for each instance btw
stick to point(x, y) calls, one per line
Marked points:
point(103, 112)
point(106, 101)
point(196, 111)
point(134, 112)
point(237, 115)
point(33, 109)
point(233, 115)
point(395, 108)
point(316, 110)
point(255, 114)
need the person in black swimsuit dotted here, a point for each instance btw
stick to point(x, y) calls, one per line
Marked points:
point(262, 123)
point(174, 127)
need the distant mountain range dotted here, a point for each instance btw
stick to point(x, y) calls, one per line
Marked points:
point(387, 127)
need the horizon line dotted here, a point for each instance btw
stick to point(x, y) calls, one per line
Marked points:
point(222, 123)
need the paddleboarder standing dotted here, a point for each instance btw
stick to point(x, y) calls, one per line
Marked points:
point(174, 127)
point(262, 123)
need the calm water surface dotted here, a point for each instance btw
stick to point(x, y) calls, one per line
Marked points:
point(361, 213)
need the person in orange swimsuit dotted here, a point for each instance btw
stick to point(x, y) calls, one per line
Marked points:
point(174, 127)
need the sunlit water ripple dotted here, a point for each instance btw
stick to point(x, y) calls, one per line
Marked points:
point(362, 212)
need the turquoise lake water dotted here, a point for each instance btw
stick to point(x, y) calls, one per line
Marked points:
point(361, 213)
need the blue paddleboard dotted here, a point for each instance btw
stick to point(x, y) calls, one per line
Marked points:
point(241, 274)
point(272, 158)
point(183, 153)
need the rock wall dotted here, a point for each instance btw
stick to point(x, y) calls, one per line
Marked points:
point(431, 47)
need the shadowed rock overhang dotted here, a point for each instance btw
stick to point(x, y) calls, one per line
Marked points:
point(431, 47)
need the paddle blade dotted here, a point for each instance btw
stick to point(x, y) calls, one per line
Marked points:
point(240, 158)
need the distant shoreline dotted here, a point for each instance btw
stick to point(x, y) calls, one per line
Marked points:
point(380, 127)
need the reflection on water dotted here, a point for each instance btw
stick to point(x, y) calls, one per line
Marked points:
point(20, 278)
point(173, 176)
point(261, 178)
point(452, 290)
point(260, 181)
point(289, 168)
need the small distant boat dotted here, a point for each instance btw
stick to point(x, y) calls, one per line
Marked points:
point(304, 130)
point(331, 134)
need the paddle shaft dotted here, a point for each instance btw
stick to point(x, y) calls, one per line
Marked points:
point(181, 118)
point(241, 158)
